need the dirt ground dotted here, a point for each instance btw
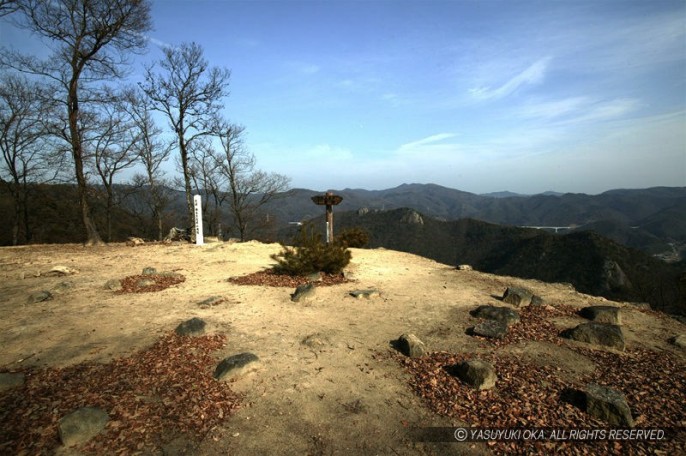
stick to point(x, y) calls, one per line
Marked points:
point(341, 393)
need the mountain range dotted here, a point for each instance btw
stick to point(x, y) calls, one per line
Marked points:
point(652, 220)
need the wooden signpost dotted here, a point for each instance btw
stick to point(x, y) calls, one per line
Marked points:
point(329, 200)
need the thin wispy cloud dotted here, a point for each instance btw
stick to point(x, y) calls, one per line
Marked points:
point(533, 74)
point(578, 109)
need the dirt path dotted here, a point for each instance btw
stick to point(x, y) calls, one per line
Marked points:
point(325, 383)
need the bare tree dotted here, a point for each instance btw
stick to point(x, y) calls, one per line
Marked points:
point(209, 181)
point(249, 189)
point(91, 39)
point(26, 152)
point(152, 153)
point(112, 140)
point(7, 7)
point(190, 95)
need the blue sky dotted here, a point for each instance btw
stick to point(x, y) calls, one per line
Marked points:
point(526, 96)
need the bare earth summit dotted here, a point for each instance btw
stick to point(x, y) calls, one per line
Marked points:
point(328, 380)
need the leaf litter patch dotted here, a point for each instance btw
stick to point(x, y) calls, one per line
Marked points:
point(270, 278)
point(529, 395)
point(150, 282)
point(167, 389)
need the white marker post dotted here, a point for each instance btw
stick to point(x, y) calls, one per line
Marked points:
point(197, 203)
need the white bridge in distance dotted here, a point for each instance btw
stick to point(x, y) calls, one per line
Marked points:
point(552, 228)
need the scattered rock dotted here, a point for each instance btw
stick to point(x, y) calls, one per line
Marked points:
point(410, 345)
point(315, 277)
point(113, 284)
point(518, 297)
point(602, 314)
point(537, 301)
point(40, 296)
point(608, 405)
point(82, 425)
point(303, 292)
point(193, 327)
point(211, 302)
point(317, 341)
point(149, 271)
point(134, 241)
point(490, 328)
point(501, 314)
point(464, 267)
point(370, 293)
point(479, 374)
point(58, 271)
point(679, 341)
point(234, 365)
point(10, 380)
point(145, 282)
point(597, 334)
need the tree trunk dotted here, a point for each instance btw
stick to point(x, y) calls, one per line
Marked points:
point(92, 235)
point(187, 181)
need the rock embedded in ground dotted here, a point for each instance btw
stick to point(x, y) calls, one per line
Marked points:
point(62, 287)
point(517, 296)
point(303, 292)
point(602, 334)
point(82, 425)
point(464, 267)
point(501, 314)
point(211, 302)
point(370, 293)
point(145, 282)
point(493, 329)
point(9, 380)
point(193, 327)
point(679, 341)
point(40, 296)
point(410, 345)
point(234, 365)
point(58, 271)
point(149, 271)
point(602, 314)
point(476, 373)
point(608, 405)
point(113, 284)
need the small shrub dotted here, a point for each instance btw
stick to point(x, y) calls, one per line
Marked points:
point(355, 237)
point(310, 255)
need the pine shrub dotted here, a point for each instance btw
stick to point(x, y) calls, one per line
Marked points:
point(354, 237)
point(309, 255)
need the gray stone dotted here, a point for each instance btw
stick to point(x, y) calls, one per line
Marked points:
point(679, 341)
point(149, 271)
point(113, 284)
point(40, 296)
point(602, 314)
point(193, 327)
point(234, 365)
point(370, 293)
point(211, 302)
point(10, 380)
point(518, 297)
point(410, 345)
point(169, 274)
point(491, 328)
point(501, 314)
point(537, 301)
point(144, 283)
point(315, 277)
point(615, 278)
point(303, 292)
point(82, 425)
point(608, 405)
point(597, 334)
point(479, 374)
point(464, 267)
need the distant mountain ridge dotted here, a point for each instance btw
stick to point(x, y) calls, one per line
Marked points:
point(649, 218)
